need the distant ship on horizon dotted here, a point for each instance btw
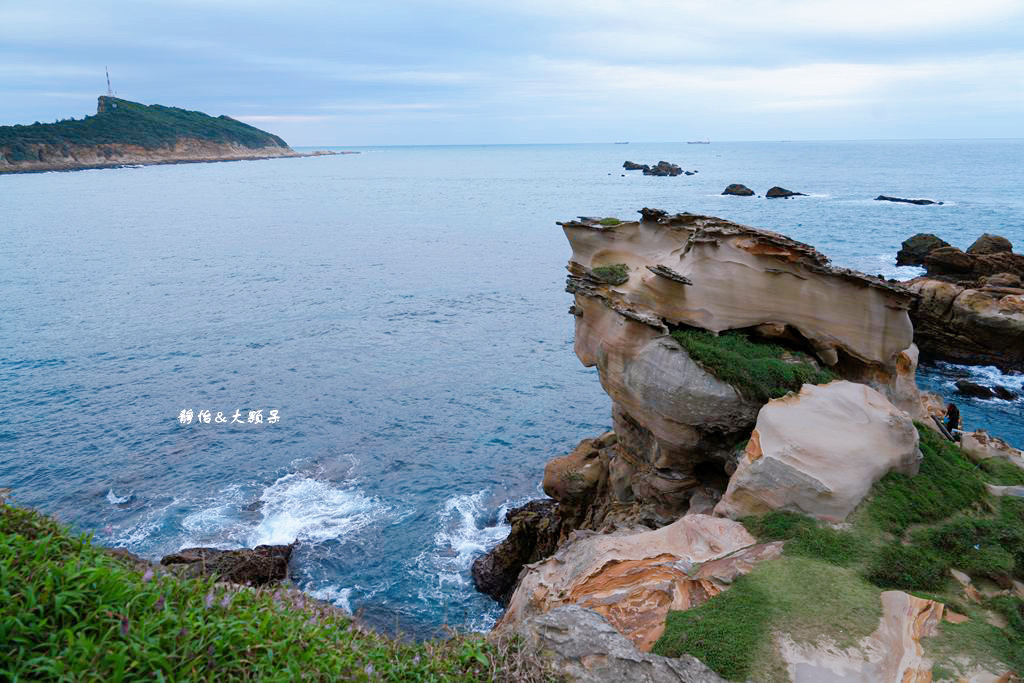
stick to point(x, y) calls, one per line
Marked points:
point(698, 142)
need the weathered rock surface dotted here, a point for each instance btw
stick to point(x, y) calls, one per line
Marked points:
point(990, 244)
point(778, 192)
point(633, 578)
point(533, 536)
point(980, 445)
point(820, 451)
point(259, 566)
point(893, 653)
point(581, 646)
point(915, 249)
point(919, 202)
point(738, 190)
point(949, 261)
point(677, 425)
point(633, 166)
point(967, 324)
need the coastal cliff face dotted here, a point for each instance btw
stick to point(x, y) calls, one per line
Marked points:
point(678, 427)
point(47, 157)
point(123, 132)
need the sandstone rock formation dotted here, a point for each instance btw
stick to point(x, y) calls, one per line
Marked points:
point(819, 452)
point(919, 202)
point(738, 190)
point(259, 566)
point(990, 244)
point(633, 578)
point(892, 653)
point(777, 192)
point(582, 647)
point(980, 324)
point(980, 445)
point(914, 249)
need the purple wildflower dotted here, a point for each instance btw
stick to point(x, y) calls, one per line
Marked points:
point(148, 576)
point(226, 600)
point(209, 600)
point(159, 605)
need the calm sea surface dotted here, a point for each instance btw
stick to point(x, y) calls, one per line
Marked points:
point(404, 311)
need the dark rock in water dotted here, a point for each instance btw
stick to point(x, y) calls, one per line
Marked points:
point(259, 566)
point(1004, 393)
point(534, 536)
point(633, 166)
point(919, 202)
point(651, 215)
point(689, 172)
point(966, 387)
point(915, 249)
point(738, 190)
point(663, 168)
point(777, 192)
point(990, 244)
point(949, 261)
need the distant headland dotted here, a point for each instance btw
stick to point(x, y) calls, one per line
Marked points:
point(127, 133)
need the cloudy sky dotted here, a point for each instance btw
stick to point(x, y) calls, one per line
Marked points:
point(341, 72)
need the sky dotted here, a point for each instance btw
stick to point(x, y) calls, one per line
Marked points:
point(348, 73)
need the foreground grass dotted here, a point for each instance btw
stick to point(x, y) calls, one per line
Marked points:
point(758, 371)
point(907, 535)
point(71, 611)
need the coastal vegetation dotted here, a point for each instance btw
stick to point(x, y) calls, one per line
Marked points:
point(615, 274)
point(72, 611)
point(908, 534)
point(130, 123)
point(757, 370)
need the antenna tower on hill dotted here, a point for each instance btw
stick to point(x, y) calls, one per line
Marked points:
point(110, 92)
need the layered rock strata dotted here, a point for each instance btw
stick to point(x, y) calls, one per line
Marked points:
point(970, 304)
point(633, 578)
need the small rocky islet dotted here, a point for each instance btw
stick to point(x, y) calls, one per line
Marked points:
point(769, 444)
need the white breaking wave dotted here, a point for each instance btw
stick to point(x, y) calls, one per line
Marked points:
point(339, 597)
point(986, 375)
point(300, 507)
point(115, 499)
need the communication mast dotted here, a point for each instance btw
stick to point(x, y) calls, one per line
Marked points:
point(110, 92)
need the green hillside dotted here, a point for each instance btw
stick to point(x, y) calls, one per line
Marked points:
point(122, 122)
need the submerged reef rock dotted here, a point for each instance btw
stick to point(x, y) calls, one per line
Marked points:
point(901, 200)
point(533, 536)
point(970, 305)
point(738, 190)
point(777, 192)
point(915, 249)
point(820, 451)
point(259, 566)
point(633, 578)
point(582, 647)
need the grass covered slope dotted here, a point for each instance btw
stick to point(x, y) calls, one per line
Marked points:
point(129, 123)
point(71, 611)
point(756, 370)
point(907, 535)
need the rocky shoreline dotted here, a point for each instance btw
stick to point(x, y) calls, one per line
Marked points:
point(749, 379)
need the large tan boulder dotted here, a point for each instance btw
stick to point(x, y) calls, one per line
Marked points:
point(633, 578)
point(819, 452)
point(980, 445)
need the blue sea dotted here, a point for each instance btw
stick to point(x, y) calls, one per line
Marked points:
point(403, 310)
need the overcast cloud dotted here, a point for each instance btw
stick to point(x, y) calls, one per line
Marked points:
point(321, 72)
